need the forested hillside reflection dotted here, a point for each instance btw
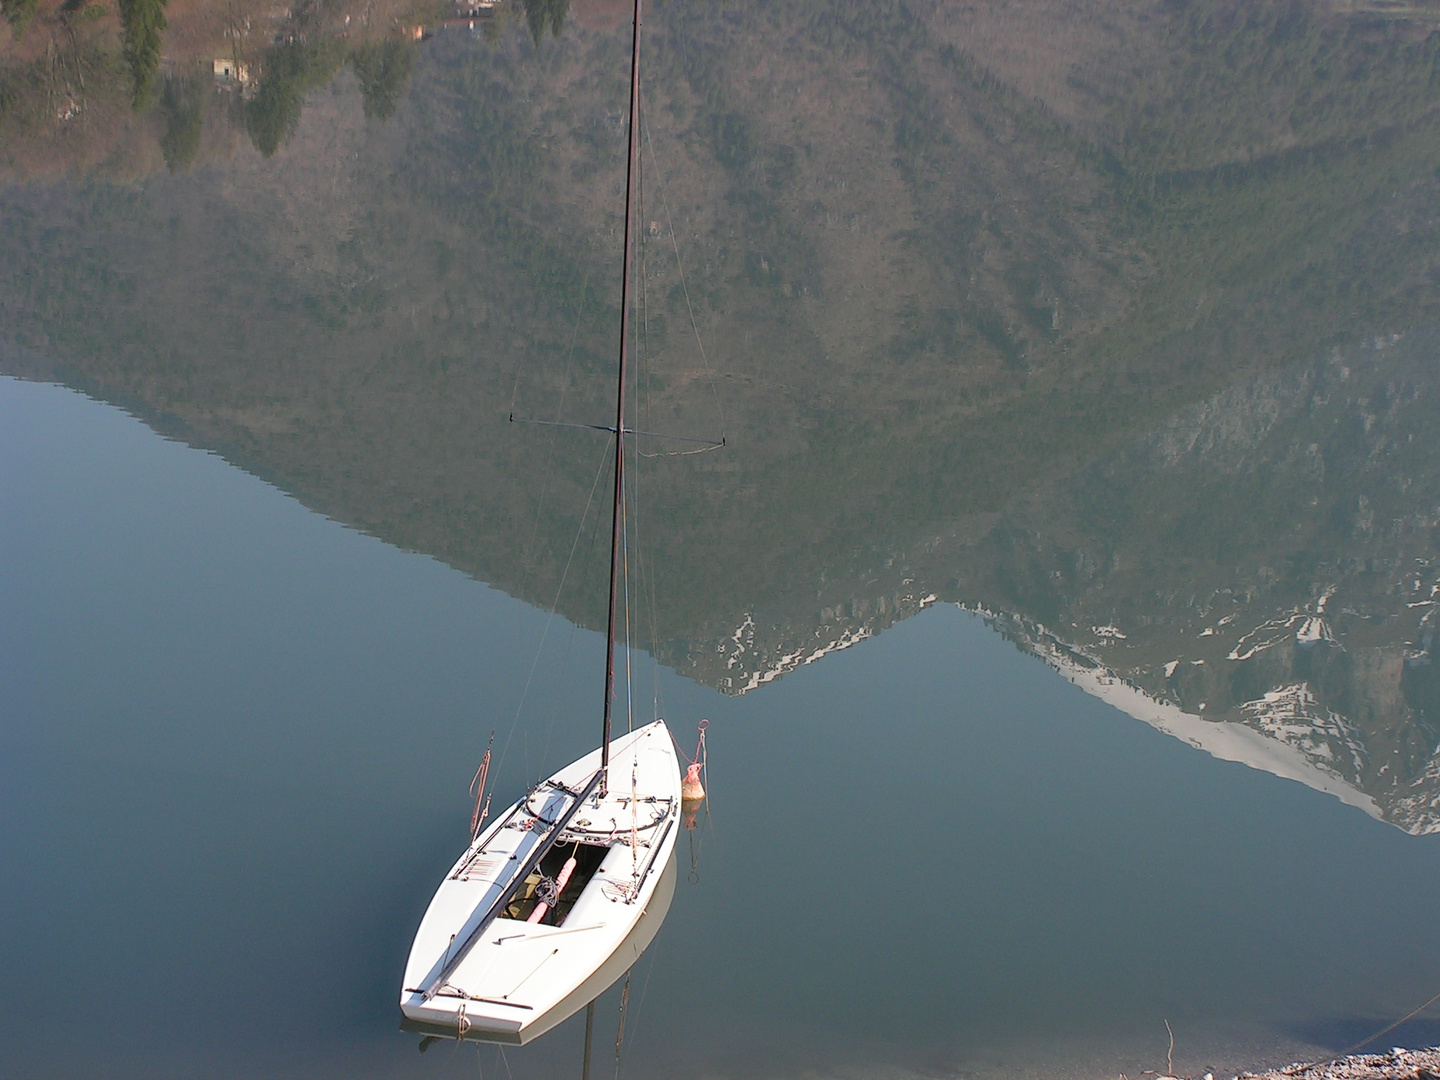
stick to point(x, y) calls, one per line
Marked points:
point(69, 69)
point(1108, 320)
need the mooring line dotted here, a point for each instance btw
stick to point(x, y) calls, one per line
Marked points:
point(1385, 1030)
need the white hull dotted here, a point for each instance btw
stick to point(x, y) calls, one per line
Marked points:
point(510, 980)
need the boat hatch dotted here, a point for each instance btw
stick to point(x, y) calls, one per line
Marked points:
point(588, 858)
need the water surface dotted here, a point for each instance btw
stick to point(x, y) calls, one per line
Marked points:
point(236, 748)
point(1072, 546)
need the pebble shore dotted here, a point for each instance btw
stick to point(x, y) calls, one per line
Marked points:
point(1396, 1065)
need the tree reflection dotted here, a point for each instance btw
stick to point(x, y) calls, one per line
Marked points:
point(384, 71)
point(291, 70)
point(141, 24)
point(182, 102)
point(542, 15)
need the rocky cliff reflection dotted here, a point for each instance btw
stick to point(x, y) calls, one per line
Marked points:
point(1106, 320)
point(1263, 559)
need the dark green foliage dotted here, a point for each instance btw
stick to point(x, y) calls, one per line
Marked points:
point(384, 72)
point(18, 13)
point(289, 72)
point(182, 101)
point(542, 15)
point(141, 24)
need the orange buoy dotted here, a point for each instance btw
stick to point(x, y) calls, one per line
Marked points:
point(691, 790)
point(688, 811)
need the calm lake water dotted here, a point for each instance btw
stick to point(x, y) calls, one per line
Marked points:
point(237, 737)
point(1061, 603)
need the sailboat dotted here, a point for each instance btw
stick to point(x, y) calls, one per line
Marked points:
point(556, 899)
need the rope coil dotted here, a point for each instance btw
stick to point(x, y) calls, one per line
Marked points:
point(547, 891)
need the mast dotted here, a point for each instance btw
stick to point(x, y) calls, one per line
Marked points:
point(619, 508)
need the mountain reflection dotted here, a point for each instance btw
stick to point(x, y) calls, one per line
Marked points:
point(1108, 321)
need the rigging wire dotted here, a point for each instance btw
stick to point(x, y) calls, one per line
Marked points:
point(642, 340)
point(629, 492)
point(644, 986)
point(647, 582)
point(642, 409)
point(620, 1032)
point(559, 412)
point(649, 586)
point(587, 566)
point(625, 578)
point(550, 618)
point(528, 550)
point(477, 788)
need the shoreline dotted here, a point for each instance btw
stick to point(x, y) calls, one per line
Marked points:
point(1398, 1064)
